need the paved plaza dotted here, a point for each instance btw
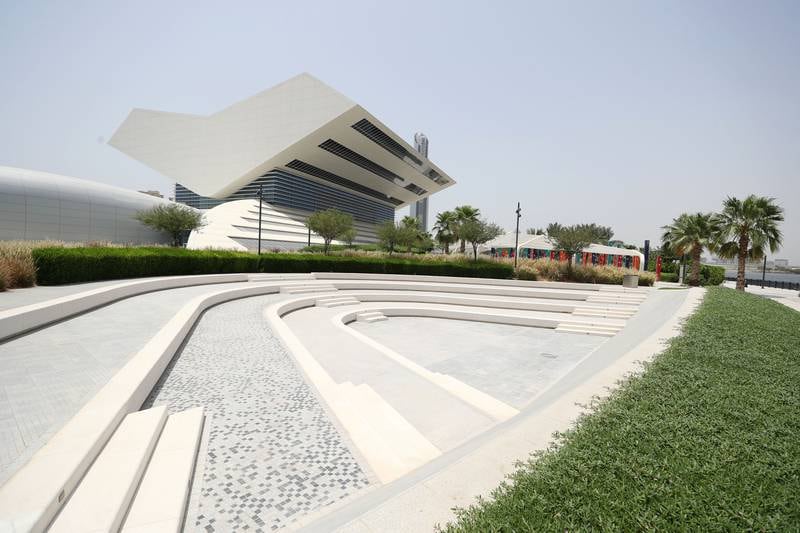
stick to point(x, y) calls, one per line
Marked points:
point(327, 400)
point(511, 363)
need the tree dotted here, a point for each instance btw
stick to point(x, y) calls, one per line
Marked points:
point(175, 219)
point(407, 235)
point(425, 242)
point(445, 228)
point(571, 239)
point(594, 232)
point(553, 228)
point(349, 236)
point(747, 229)
point(600, 234)
point(410, 222)
point(535, 231)
point(465, 213)
point(478, 232)
point(669, 257)
point(689, 234)
point(387, 235)
point(330, 224)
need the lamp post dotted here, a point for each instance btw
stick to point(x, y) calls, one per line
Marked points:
point(260, 200)
point(764, 272)
point(516, 236)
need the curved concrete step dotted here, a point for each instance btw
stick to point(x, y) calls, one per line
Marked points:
point(305, 289)
point(604, 313)
point(160, 501)
point(336, 301)
point(370, 317)
point(587, 329)
point(18, 320)
point(101, 499)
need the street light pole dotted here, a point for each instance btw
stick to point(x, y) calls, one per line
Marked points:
point(764, 272)
point(260, 200)
point(516, 236)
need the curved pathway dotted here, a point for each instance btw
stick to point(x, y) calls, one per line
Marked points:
point(47, 375)
point(272, 453)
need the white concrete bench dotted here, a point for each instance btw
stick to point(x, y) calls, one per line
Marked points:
point(25, 318)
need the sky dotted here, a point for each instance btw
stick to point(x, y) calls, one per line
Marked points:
point(625, 114)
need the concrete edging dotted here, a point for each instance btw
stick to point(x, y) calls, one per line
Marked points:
point(25, 318)
point(478, 281)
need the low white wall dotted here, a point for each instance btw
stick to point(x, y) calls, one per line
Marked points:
point(21, 319)
point(476, 281)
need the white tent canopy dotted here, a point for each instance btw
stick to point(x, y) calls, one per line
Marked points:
point(507, 241)
point(612, 250)
point(541, 242)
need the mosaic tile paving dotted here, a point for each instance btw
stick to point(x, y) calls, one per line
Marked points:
point(272, 454)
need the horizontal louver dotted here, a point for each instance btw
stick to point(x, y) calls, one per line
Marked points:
point(419, 191)
point(357, 159)
point(288, 190)
point(376, 135)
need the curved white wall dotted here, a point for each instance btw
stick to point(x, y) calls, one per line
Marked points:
point(39, 205)
point(234, 226)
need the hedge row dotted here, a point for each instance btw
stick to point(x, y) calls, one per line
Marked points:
point(711, 275)
point(57, 266)
point(669, 276)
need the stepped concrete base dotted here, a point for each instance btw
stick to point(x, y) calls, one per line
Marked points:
point(101, 499)
point(337, 301)
point(305, 289)
point(160, 502)
point(372, 316)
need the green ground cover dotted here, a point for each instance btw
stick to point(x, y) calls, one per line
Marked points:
point(707, 439)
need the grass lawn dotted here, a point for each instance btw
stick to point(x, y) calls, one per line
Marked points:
point(707, 439)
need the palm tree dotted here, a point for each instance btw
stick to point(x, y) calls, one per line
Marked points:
point(689, 234)
point(410, 222)
point(465, 213)
point(747, 228)
point(409, 232)
point(445, 229)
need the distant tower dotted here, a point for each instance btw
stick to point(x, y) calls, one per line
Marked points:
point(419, 209)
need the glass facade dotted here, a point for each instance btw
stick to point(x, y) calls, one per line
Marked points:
point(288, 190)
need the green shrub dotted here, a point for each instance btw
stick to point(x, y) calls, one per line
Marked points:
point(382, 265)
point(58, 266)
point(547, 270)
point(318, 248)
point(669, 276)
point(670, 266)
point(711, 275)
point(526, 273)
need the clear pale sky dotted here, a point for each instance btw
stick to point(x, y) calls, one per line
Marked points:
point(620, 113)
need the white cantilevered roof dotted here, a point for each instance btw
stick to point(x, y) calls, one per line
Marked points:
point(301, 126)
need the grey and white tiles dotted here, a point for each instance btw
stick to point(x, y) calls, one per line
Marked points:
point(272, 454)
